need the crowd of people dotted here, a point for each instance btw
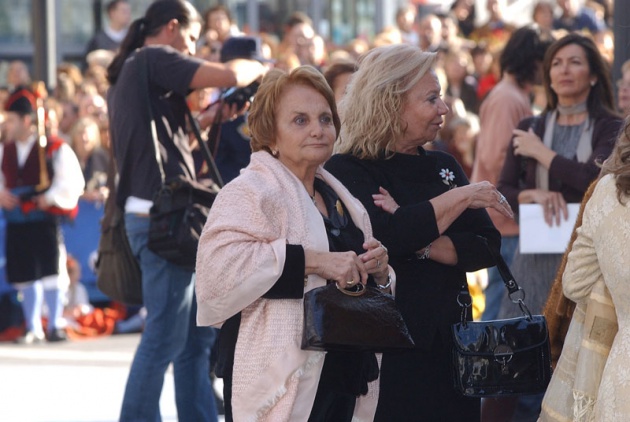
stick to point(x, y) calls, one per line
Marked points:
point(398, 162)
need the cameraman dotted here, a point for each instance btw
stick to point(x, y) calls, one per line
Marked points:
point(159, 45)
point(232, 149)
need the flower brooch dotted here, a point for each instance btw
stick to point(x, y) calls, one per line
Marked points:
point(447, 178)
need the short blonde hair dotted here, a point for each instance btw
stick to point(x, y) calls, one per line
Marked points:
point(372, 107)
point(262, 115)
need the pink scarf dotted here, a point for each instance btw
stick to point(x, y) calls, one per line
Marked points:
point(241, 256)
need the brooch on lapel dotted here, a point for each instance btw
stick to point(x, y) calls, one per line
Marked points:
point(339, 207)
point(447, 178)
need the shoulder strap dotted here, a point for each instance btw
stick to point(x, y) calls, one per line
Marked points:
point(205, 150)
point(465, 301)
point(207, 156)
point(144, 77)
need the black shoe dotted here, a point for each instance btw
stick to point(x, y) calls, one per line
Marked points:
point(57, 335)
point(30, 338)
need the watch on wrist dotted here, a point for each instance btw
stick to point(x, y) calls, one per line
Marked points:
point(386, 285)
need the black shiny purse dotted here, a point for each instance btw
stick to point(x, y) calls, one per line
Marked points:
point(502, 357)
point(343, 320)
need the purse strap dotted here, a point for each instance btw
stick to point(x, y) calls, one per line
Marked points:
point(465, 300)
point(205, 151)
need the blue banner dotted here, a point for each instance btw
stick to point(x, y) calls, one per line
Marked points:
point(81, 238)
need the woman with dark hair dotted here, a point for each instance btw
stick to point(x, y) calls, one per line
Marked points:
point(623, 90)
point(464, 12)
point(218, 24)
point(156, 56)
point(553, 158)
point(505, 106)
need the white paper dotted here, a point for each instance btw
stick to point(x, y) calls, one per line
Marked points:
point(537, 237)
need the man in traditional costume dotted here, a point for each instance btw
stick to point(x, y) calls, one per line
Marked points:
point(40, 184)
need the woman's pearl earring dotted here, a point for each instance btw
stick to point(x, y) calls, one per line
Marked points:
point(274, 152)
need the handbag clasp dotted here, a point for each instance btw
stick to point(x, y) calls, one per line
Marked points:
point(503, 355)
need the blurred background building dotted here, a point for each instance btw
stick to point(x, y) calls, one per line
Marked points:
point(75, 21)
point(43, 33)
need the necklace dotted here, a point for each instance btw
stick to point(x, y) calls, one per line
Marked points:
point(572, 109)
point(311, 196)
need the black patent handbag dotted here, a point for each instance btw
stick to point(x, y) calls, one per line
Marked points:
point(502, 357)
point(341, 320)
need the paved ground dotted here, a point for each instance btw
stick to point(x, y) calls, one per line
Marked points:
point(70, 382)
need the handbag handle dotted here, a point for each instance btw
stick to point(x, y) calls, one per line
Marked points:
point(465, 300)
point(360, 290)
point(205, 151)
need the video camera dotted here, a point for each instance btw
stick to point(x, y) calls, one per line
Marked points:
point(240, 96)
point(241, 48)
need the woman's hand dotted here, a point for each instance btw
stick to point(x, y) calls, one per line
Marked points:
point(528, 144)
point(385, 201)
point(346, 268)
point(553, 203)
point(376, 260)
point(485, 195)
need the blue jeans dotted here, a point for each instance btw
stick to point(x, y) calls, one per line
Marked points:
point(170, 335)
point(495, 289)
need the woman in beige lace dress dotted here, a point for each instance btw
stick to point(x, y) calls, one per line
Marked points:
point(600, 253)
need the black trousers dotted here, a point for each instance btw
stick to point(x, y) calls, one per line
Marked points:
point(32, 250)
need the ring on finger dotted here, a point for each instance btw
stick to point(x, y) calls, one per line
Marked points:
point(384, 248)
point(378, 263)
point(349, 282)
point(501, 198)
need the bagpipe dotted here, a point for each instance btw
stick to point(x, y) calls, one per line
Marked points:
point(28, 211)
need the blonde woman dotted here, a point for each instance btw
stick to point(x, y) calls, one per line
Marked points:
point(435, 232)
point(94, 160)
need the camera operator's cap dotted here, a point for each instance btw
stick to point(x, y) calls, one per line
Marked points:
point(21, 101)
point(243, 48)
